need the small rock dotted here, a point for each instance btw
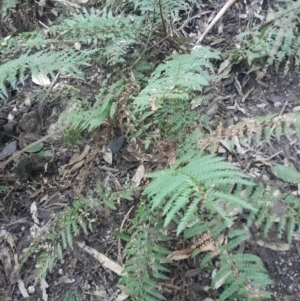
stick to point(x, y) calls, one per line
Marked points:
point(31, 289)
point(277, 104)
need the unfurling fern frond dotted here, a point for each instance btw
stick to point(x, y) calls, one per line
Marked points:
point(177, 77)
point(40, 63)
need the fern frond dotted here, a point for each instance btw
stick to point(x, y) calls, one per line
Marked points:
point(270, 127)
point(40, 63)
point(6, 6)
point(200, 185)
point(242, 275)
point(277, 40)
point(176, 77)
point(265, 217)
point(144, 258)
point(104, 108)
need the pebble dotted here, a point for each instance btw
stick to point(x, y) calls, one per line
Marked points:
point(277, 104)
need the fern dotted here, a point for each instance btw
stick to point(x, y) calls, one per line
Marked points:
point(40, 63)
point(164, 11)
point(275, 40)
point(115, 36)
point(6, 6)
point(176, 78)
point(60, 233)
point(266, 215)
point(200, 196)
point(243, 276)
point(104, 107)
point(203, 184)
point(72, 295)
point(62, 228)
point(144, 258)
point(271, 128)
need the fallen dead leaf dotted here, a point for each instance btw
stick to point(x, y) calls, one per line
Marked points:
point(180, 255)
point(225, 68)
point(34, 213)
point(35, 193)
point(27, 101)
point(122, 297)
point(6, 259)
point(41, 80)
point(107, 156)
point(76, 158)
point(64, 279)
point(75, 162)
point(22, 289)
point(76, 166)
point(44, 285)
point(247, 94)
point(8, 150)
point(280, 247)
point(69, 3)
point(138, 176)
point(10, 239)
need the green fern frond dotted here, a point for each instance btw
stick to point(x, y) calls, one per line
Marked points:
point(277, 40)
point(265, 217)
point(144, 258)
point(104, 107)
point(72, 295)
point(243, 276)
point(199, 186)
point(6, 6)
point(40, 63)
point(179, 75)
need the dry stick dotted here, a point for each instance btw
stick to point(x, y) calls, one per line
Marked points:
point(121, 229)
point(216, 19)
point(17, 154)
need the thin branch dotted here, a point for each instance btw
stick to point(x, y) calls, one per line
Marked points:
point(216, 19)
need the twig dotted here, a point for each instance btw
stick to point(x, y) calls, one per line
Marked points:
point(280, 114)
point(119, 240)
point(108, 168)
point(216, 19)
point(105, 261)
point(17, 154)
